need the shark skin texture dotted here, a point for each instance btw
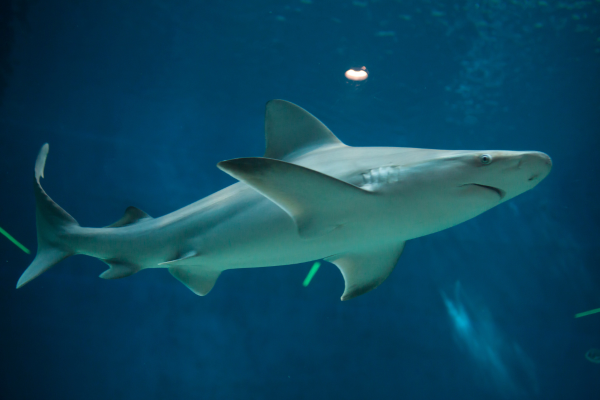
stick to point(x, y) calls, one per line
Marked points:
point(310, 197)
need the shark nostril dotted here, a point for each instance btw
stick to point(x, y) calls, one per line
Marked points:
point(533, 177)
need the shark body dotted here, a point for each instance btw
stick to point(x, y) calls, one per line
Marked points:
point(310, 197)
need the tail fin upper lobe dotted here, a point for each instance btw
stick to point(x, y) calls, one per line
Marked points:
point(54, 227)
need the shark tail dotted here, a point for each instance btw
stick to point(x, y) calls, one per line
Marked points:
point(54, 228)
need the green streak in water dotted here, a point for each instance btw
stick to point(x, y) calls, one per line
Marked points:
point(12, 239)
point(311, 273)
point(583, 314)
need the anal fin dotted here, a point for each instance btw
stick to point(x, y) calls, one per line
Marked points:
point(198, 280)
point(119, 269)
point(364, 271)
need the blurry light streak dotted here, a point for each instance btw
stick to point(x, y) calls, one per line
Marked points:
point(311, 273)
point(583, 314)
point(12, 239)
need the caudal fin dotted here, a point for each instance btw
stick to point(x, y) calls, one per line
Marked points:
point(54, 226)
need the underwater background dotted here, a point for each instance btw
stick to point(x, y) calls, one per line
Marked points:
point(140, 99)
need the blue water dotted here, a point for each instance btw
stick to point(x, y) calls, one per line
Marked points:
point(140, 99)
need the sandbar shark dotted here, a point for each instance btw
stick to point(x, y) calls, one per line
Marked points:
point(310, 197)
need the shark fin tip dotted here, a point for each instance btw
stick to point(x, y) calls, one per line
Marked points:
point(21, 283)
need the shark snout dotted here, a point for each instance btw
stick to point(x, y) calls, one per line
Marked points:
point(537, 165)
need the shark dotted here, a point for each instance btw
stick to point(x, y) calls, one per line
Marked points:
point(310, 197)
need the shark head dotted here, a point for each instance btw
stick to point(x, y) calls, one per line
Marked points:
point(445, 188)
point(495, 176)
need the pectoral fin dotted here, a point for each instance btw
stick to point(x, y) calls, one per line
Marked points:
point(317, 203)
point(364, 271)
point(197, 280)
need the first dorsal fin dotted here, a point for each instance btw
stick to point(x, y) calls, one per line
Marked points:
point(132, 215)
point(291, 129)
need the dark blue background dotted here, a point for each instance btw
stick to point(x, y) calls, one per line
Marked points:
point(140, 99)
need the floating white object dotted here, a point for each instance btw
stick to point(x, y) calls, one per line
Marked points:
point(357, 74)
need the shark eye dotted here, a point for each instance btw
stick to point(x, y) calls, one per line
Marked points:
point(485, 159)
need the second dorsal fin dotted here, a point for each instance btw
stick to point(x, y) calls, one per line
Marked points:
point(291, 129)
point(132, 215)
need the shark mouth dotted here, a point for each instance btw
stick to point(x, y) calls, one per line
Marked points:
point(499, 192)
